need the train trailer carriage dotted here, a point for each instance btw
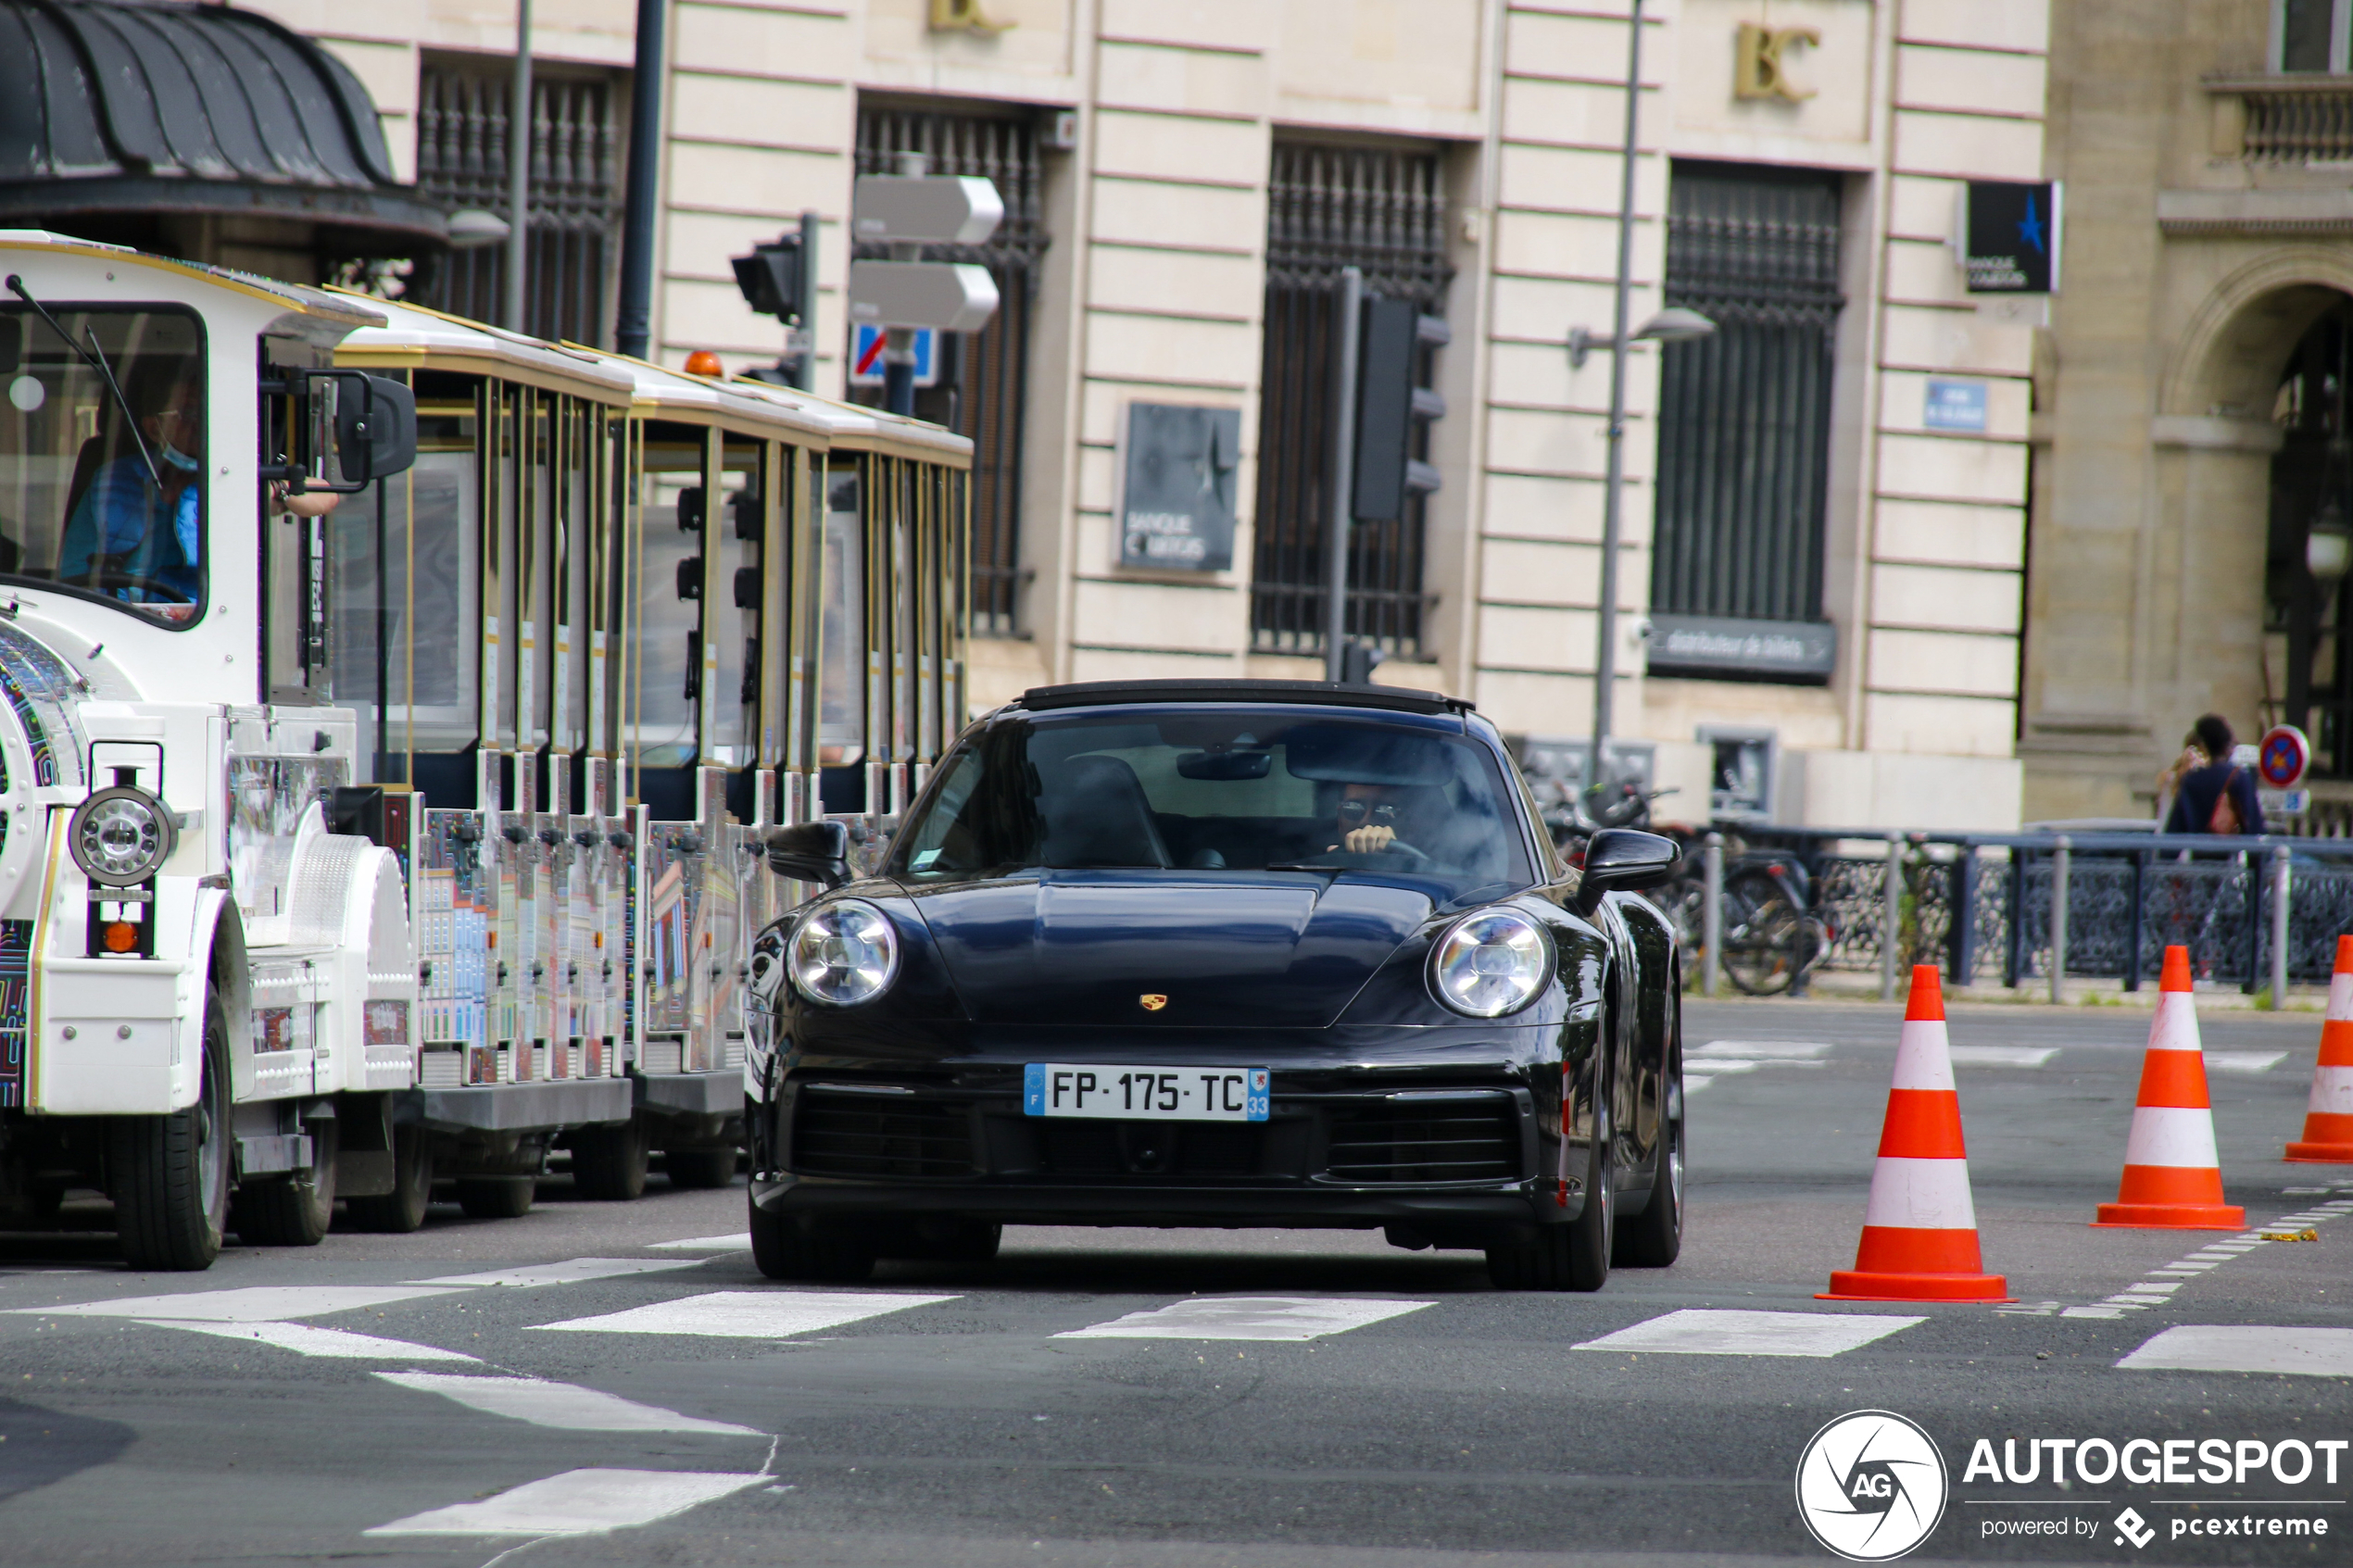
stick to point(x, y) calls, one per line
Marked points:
point(396, 709)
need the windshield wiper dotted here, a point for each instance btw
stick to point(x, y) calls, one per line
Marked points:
point(95, 357)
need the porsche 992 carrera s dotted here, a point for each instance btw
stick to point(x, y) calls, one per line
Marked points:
point(1254, 953)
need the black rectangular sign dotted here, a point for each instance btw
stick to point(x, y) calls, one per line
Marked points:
point(1797, 652)
point(2010, 236)
point(1176, 486)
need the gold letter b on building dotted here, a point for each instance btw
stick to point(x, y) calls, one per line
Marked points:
point(1758, 70)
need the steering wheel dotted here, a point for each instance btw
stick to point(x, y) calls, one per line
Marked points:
point(1399, 846)
point(109, 580)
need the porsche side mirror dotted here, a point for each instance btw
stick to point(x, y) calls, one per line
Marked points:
point(810, 852)
point(1621, 859)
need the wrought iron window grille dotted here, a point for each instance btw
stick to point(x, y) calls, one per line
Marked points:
point(1381, 210)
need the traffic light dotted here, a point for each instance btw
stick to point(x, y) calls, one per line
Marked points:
point(770, 278)
point(1393, 406)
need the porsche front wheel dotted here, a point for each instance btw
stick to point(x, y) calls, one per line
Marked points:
point(1570, 1256)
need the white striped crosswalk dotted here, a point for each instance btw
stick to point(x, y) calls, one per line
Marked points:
point(578, 1502)
point(562, 1405)
point(747, 1314)
point(1249, 1317)
point(572, 1271)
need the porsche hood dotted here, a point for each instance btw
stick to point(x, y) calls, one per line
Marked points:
point(1232, 949)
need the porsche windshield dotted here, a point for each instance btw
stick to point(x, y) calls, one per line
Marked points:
point(1216, 789)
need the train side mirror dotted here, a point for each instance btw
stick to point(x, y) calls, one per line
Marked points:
point(1622, 860)
point(375, 428)
point(810, 852)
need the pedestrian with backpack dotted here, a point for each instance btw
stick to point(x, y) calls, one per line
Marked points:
point(2218, 797)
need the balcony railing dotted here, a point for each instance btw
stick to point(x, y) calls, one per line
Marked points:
point(2291, 118)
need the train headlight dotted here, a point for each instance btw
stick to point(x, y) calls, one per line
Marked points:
point(120, 836)
point(1491, 963)
point(844, 953)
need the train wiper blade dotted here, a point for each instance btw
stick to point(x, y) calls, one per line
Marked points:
point(95, 358)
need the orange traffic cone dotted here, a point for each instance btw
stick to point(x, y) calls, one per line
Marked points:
point(1919, 1229)
point(2173, 1179)
point(2328, 1117)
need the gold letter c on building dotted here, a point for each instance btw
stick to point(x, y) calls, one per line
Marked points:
point(1758, 68)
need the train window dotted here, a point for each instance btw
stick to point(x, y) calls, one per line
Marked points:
point(433, 634)
point(668, 681)
point(841, 736)
point(103, 494)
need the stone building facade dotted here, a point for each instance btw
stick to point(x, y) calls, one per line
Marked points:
point(1188, 174)
point(2191, 479)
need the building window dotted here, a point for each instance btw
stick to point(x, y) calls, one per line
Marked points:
point(575, 191)
point(2310, 35)
point(1384, 211)
point(1745, 415)
point(982, 387)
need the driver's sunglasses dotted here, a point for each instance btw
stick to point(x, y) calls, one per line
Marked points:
point(1356, 812)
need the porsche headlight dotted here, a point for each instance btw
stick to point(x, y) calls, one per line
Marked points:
point(120, 836)
point(844, 953)
point(1491, 963)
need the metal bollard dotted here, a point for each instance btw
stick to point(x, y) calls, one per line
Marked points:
point(1711, 963)
point(2281, 887)
point(1891, 925)
point(2060, 856)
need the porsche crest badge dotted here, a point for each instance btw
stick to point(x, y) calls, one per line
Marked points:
point(1153, 1002)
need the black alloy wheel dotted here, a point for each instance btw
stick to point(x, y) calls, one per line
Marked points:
point(169, 1174)
point(1654, 1238)
point(816, 1250)
point(1574, 1256)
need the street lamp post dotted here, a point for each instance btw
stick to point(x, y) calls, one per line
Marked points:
point(1605, 653)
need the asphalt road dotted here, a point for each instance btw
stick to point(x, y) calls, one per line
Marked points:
point(953, 1416)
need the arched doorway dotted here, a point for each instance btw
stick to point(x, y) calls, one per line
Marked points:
point(2307, 659)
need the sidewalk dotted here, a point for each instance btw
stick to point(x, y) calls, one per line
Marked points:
point(1852, 986)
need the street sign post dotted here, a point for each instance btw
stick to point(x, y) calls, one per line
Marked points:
point(907, 211)
point(925, 209)
point(950, 296)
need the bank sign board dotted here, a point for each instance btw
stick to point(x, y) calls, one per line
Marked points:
point(2010, 236)
point(1177, 462)
point(1794, 652)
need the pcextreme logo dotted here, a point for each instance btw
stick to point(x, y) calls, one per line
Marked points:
point(1871, 1485)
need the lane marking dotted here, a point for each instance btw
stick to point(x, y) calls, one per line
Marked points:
point(747, 1314)
point(2304, 1352)
point(739, 1242)
point(1763, 1050)
point(578, 1502)
point(306, 1339)
point(566, 1406)
point(2243, 1061)
point(2001, 1055)
point(570, 1271)
point(1249, 1317)
point(1705, 1332)
point(252, 1303)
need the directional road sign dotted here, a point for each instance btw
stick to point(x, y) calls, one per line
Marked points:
point(933, 210)
point(954, 297)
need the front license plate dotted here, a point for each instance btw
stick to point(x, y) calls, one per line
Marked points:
point(1145, 1093)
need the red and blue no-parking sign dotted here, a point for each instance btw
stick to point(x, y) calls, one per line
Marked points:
point(2282, 756)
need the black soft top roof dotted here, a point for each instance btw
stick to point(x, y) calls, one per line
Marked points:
point(1330, 694)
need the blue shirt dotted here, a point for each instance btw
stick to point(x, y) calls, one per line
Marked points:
point(2201, 789)
point(124, 514)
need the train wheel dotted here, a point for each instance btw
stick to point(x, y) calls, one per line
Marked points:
point(495, 1197)
point(296, 1209)
point(403, 1208)
point(609, 1161)
point(700, 1168)
point(170, 1174)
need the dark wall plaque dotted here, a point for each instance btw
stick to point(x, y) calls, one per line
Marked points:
point(1176, 491)
point(1799, 652)
point(2010, 236)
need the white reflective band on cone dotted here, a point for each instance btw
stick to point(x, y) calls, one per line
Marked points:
point(2175, 1026)
point(1921, 1059)
point(2331, 1091)
point(2341, 998)
point(2171, 1135)
point(1921, 1194)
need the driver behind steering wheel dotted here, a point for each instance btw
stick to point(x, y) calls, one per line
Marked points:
point(1372, 817)
point(126, 523)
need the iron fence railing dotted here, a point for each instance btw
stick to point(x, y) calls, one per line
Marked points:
point(1980, 907)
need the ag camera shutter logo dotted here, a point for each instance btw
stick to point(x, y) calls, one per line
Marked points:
point(1871, 1485)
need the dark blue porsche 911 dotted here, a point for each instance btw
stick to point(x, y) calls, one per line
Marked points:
point(1251, 953)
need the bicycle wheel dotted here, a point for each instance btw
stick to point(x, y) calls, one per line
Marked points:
point(1767, 948)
